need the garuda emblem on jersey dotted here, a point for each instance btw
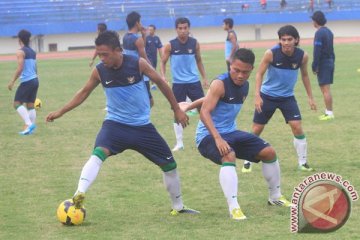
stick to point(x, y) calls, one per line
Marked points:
point(190, 50)
point(294, 65)
point(131, 79)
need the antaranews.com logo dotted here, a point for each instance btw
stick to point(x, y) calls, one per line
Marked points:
point(322, 203)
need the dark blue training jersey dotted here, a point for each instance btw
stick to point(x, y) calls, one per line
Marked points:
point(323, 47)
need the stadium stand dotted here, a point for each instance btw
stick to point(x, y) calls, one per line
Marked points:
point(77, 16)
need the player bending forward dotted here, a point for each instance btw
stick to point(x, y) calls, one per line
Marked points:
point(127, 123)
point(218, 139)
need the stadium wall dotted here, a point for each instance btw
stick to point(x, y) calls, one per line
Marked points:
point(249, 32)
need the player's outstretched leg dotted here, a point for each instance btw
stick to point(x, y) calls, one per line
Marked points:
point(172, 184)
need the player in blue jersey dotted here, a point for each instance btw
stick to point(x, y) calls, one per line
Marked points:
point(281, 65)
point(218, 139)
point(26, 92)
point(101, 27)
point(127, 123)
point(323, 64)
point(231, 43)
point(185, 62)
point(133, 43)
point(153, 45)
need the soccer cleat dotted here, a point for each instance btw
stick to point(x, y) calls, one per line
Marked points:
point(237, 214)
point(326, 117)
point(29, 130)
point(78, 199)
point(246, 168)
point(281, 201)
point(153, 87)
point(305, 168)
point(177, 148)
point(185, 209)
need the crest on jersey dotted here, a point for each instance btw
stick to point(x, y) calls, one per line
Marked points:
point(131, 79)
point(190, 50)
point(294, 65)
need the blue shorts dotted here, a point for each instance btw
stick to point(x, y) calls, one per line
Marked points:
point(118, 137)
point(27, 91)
point(245, 145)
point(325, 74)
point(287, 105)
point(192, 90)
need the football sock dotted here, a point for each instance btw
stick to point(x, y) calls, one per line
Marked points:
point(300, 145)
point(229, 183)
point(179, 134)
point(172, 184)
point(328, 112)
point(24, 114)
point(271, 173)
point(89, 173)
point(32, 115)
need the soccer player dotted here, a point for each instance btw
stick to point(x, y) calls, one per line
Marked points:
point(127, 123)
point(185, 62)
point(133, 43)
point(231, 44)
point(218, 139)
point(323, 64)
point(153, 45)
point(282, 64)
point(26, 92)
point(101, 27)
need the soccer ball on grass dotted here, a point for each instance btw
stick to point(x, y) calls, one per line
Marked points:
point(69, 215)
point(38, 103)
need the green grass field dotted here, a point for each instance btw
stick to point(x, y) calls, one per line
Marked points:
point(128, 199)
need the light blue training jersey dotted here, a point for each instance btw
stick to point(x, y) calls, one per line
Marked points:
point(228, 107)
point(183, 61)
point(127, 100)
point(228, 44)
point(29, 71)
point(282, 73)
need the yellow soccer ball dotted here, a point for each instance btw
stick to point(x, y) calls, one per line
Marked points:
point(38, 103)
point(68, 215)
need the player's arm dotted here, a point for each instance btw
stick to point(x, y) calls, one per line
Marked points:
point(79, 97)
point(20, 58)
point(210, 101)
point(200, 65)
point(264, 64)
point(149, 71)
point(316, 53)
point(93, 59)
point(165, 57)
point(234, 43)
point(140, 45)
point(306, 81)
point(187, 106)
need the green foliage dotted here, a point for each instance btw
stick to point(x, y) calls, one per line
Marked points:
point(128, 199)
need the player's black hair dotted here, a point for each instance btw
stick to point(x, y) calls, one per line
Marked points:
point(101, 27)
point(132, 18)
point(319, 18)
point(108, 38)
point(291, 31)
point(245, 55)
point(24, 36)
point(182, 20)
point(229, 22)
point(153, 26)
